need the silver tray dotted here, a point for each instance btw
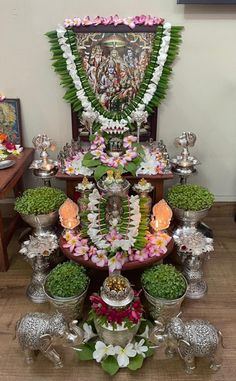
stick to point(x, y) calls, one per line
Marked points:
point(6, 164)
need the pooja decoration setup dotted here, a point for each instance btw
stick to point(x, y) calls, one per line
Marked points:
point(115, 72)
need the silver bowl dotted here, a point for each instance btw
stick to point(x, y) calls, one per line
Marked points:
point(190, 217)
point(42, 223)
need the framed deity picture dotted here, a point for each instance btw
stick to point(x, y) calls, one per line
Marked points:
point(115, 59)
point(10, 120)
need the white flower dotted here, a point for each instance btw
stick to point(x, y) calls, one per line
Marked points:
point(102, 350)
point(140, 348)
point(145, 333)
point(123, 354)
point(88, 332)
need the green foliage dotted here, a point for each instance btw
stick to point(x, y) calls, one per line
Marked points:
point(67, 279)
point(41, 200)
point(190, 197)
point(136, 362)
point(164, 281)
point(110, 365)
point(85, 351)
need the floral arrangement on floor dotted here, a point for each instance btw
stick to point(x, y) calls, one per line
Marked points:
point(156, 246)
point(113, 357)
point(7, 148)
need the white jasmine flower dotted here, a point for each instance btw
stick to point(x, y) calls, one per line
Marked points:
point(88, 332)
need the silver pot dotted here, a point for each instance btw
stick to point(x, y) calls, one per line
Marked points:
point(71, 308)
point(114, 336)
point(164, 309)
point(42, 223)
point(190, 218)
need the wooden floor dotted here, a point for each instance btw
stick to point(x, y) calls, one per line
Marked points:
point(219, 306)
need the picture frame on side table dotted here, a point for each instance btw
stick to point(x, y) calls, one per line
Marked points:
point(10, 119)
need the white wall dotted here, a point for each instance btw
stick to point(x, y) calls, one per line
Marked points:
point(201, 98)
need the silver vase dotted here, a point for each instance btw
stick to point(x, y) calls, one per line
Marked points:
point(120, 336)
point(189, 218)
point(193, 271)
point(71, 308)
point(42, 224)
point(164, 309)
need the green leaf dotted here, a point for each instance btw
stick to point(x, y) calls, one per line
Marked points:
point(110, 365)
point(91, 163)
point(135, 362)
point(86, 353)
point(131, 167)
point(88, 156)
point(100, 171)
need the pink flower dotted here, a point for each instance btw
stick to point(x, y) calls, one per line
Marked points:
point(114, 263)
point(87, 21)
point(113, 235)
point(98, 140)
point(117, 20)
point(130, 155)
point(107, 20)
point(96, 153)
point(131, 255)
point(77, 21)
point(100, 259)
point(81, 250)
point(129, 140)
point(68, 23)
point(98, 20)
point(141, 255)
point(149, 20)
point(71, 244)
point(2, 97)
point(139, 20)
point(92, 251)
point(122, 257)
point(130, 22)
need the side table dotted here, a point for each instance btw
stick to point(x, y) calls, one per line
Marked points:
point(10, 180)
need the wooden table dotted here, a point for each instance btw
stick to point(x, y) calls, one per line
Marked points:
point(10, 180)
point(157, 181)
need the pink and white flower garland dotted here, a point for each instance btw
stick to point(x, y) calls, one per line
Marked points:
point(111, 240)
point(98, 147)
point(156, 246)
point(74, 166)
point(114, 20)
point(108, 123)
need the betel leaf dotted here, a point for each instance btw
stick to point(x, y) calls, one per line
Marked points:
point(86, 353)
point(135, 362)
point(110, 365)
point(100, 171)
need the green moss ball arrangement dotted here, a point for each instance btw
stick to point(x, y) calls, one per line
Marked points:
point(164, 281)
point(190, 197)
point(41, 200)
point(66, 280)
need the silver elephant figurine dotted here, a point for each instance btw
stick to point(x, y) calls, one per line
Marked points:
point(37, 332)
point(190, 339)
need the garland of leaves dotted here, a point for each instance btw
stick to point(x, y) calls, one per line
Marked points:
point(67, 63)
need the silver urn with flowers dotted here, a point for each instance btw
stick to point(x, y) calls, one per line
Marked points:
point(40, 252)
point(84, 188)
point(193, 249)
point(117, 311)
